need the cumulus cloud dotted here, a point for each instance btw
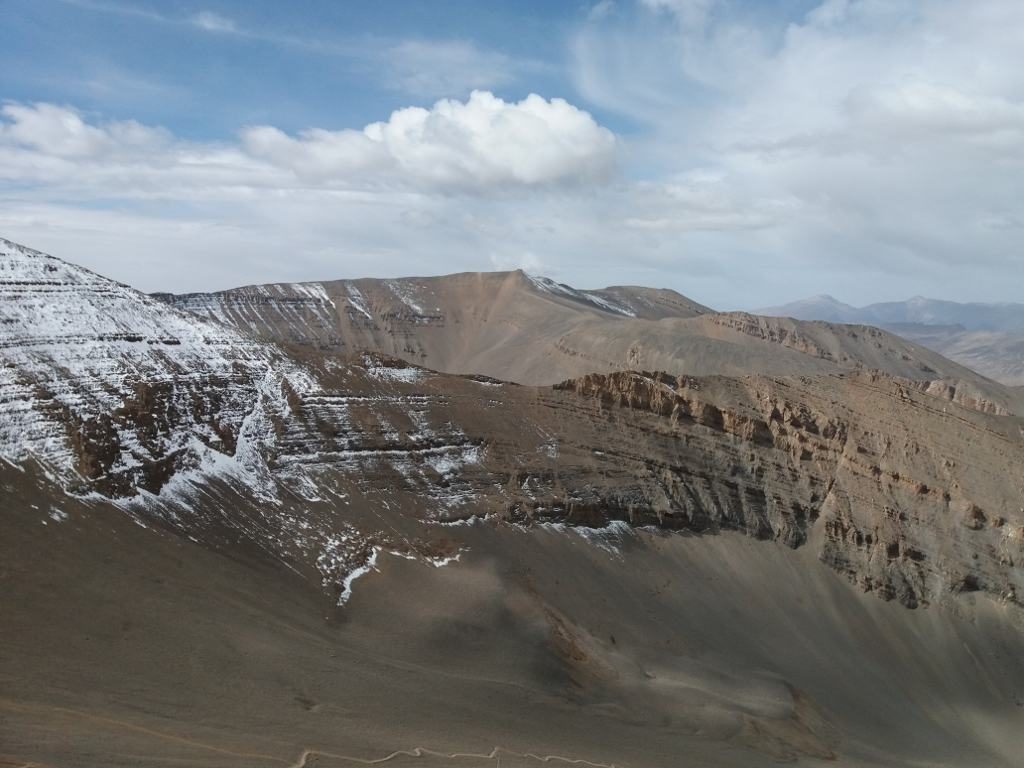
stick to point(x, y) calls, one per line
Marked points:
point(61, 132)
point(458, 186)
point(484, 144)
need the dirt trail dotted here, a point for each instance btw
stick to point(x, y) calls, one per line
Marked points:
point(495, 754)
point(303, 758)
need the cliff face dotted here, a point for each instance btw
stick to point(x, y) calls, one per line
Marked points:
point(881, 480)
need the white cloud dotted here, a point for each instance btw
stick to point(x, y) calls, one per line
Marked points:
point(60, 132)
point(428, 190)
point(483, 145)
point(528, 261)
point(601, 9)
point(872, 149)
point(702, 201)
point(692, 14)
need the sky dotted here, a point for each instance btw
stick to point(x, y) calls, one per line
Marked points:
point(743, 152)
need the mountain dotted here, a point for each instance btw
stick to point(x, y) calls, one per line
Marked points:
point(237, 546)
point(996, 354)
point(111, 389)
point(517, 327)
point(988, 338)
point(974, 316)
point(821, 307)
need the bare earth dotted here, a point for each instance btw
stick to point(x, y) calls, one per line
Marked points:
point(124, 646)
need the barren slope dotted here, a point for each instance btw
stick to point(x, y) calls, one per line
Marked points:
point(987, 338)
point(137, 646)
point(516, 327)
point(996, 354)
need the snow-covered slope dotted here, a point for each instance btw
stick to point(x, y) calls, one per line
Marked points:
point(101, 382)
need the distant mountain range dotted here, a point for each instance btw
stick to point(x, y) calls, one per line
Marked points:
point(986, 337)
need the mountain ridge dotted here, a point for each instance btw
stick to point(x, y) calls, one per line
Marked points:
point(987, 337)
point(470, 322)
point(975, 315)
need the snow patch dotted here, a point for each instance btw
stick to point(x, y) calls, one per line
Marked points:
point(356, 300)
point(58, 515)
point(448, 463)
point(350, 579)
point(382, 372)
point(548, 285)
point(405, 295)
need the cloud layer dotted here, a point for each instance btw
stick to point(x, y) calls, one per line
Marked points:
point(483, 145)
point(882, 135)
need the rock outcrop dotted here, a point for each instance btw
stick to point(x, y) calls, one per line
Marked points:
point(880, 479)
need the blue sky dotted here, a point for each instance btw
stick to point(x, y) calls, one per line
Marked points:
point(204, 69)
point(744, 153)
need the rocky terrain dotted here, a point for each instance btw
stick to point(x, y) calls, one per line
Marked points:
point(311, 525)
point(531, 330)
point(988, 338)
